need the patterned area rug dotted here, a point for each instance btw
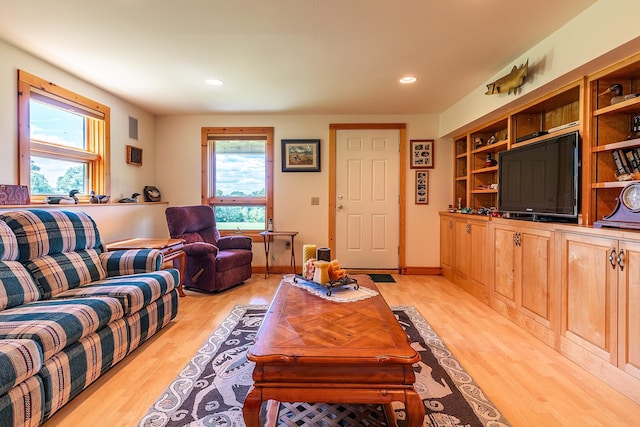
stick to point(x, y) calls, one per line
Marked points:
point(211, 388)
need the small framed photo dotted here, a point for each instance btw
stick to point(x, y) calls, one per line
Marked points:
point(422, 187)
point(422, 153)
point(134, 155)
point(300, 155)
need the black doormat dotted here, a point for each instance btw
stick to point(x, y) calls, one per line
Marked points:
point(382, 278)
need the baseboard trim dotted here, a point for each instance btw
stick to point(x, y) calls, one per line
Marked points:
point(423, 271)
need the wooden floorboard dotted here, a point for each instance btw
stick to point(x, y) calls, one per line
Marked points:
point(529, 382)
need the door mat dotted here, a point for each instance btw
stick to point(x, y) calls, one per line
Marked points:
point(382, 278)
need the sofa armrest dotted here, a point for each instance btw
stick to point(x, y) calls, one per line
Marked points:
point(131, 261)
point(235, 242)
point(200, 249)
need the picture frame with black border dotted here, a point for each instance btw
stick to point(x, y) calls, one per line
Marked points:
point(300, 155)
point(422, 187)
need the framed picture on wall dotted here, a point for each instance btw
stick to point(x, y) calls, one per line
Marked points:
point(422, 153)
point(422, 187)
point(134, 155)
point(300, 155)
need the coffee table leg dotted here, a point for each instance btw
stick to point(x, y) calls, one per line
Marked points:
point(251, 407)
point(414, 408)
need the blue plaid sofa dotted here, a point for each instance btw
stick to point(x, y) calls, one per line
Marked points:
point(69, 310)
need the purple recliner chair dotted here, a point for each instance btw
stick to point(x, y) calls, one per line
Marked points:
point(214, 263)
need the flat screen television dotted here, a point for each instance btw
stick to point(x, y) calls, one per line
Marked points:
point(541, 181)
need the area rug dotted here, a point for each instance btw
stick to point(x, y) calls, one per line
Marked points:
point(211, 388)
point(382, 278)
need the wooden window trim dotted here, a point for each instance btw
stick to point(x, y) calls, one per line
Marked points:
point(99, 129)
point(246, 133)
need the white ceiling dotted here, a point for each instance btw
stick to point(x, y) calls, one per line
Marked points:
point(284, 56)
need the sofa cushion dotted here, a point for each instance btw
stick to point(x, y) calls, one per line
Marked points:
point(19, 360)
point(41, 232)
point(71, 370)
point(23, 405)
point(55, 324)
point(134, 292)
point(8, 244)
point(16, 285)
point(58, 272)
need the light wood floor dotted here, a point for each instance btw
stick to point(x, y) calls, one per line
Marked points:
point(530, 383)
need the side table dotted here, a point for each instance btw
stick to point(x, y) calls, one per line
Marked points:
point(170, 248)
point(268, 236)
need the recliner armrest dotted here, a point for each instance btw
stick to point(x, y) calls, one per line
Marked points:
point(235, 242)
point(200, 249)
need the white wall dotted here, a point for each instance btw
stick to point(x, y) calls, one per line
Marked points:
point(117, 221)
point(179, 166)
point(606, 32)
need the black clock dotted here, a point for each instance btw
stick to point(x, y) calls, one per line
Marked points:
point(627, 211)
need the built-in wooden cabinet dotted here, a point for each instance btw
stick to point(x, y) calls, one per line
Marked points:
point(476, 176)
point(611, 131)
point(464, 244)
point(446, 246)
point(601, 300)
point(575, 287)
point(522, 276)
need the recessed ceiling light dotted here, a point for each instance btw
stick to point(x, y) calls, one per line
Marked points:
point(408, 79)
point(214, 82)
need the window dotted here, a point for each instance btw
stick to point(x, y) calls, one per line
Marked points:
point(239, 175)
point(63, 140)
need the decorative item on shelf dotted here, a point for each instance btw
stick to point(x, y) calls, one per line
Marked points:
point(492, 140)
point(635, 128)
point(14, 194)
point(616, 90)
point(626, 214)
point(490, 161)
point(510, 82)
point(623, 170)
point(151, 194)
point(97, 199)
point(478, 142)
point(451, 209)
point(63, 200)
point(132, 199)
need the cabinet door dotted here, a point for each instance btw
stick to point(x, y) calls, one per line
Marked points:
point(446, 242)
point(629, 308)
point(461, 261)
point(504, 262)
point(589, 300)
point(536, 273)
point(477, 254)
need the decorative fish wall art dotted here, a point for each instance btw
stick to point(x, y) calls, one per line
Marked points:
point(510, 82)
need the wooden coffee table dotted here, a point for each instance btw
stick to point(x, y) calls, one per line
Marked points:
point(309, 349)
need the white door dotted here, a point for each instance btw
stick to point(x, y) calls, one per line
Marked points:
point(367, 191)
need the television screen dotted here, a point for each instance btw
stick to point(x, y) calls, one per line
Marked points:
point(541, 180)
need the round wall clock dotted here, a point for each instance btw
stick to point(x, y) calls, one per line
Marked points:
point(627, 211)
